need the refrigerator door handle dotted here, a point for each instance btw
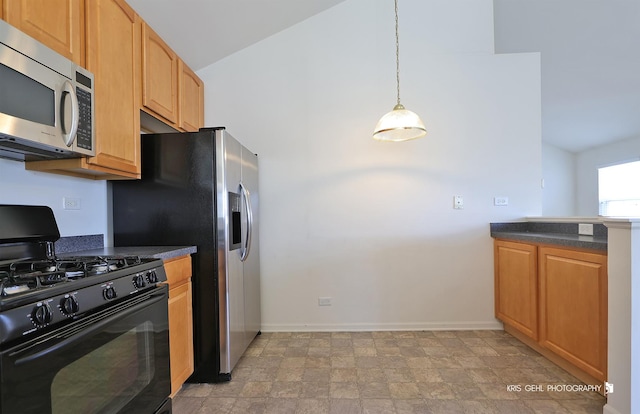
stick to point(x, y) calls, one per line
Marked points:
point(247, 243)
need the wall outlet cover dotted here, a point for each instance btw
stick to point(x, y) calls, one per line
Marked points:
point(501, 201)
point(70, 203)
point(324, 301)
point(585, 229)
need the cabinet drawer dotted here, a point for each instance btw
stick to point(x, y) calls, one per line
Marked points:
point(178, 270)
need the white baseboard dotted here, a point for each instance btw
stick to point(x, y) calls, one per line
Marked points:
point(359, 327)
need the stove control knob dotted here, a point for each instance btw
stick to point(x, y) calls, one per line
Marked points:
point(152, 276)
point(109, 293)
point(42, 315)
point(138, 281)
point(69, 305)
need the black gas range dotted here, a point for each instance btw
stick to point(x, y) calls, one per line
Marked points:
point(78, 334)
point(42, 293)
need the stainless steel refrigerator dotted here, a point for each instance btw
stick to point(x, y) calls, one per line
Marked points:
point(202, 189)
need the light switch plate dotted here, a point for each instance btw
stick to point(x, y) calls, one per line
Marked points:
point(458, 202)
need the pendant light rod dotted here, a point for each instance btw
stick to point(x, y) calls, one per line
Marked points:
point(397, 56)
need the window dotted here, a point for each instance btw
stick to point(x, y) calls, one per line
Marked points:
point(618, 190)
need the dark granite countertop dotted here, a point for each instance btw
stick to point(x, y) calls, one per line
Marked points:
point(561, 234)
point(157, 252)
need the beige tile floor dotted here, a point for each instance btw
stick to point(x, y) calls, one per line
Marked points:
point(389, 372)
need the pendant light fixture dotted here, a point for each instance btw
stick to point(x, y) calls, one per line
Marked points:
point(400, 124)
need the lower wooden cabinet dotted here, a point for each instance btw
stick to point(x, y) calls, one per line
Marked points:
point(516, 286)
point(180, 320)
point(573, 307)
point(555, 300)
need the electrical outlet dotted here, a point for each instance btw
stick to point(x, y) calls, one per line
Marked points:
point(458, 202)
point(585, 229)
point(70, 203)
point(500, 201)
point(325, 301)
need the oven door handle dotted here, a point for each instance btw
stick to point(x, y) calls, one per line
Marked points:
point(96, 326)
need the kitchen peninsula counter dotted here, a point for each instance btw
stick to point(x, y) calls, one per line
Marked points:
point(550, 291)
point(551, 233)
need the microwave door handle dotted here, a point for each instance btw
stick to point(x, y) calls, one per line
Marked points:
point(67, 88)
point(247, 242)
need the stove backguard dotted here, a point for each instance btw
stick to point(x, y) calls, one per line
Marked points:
point(27, 232)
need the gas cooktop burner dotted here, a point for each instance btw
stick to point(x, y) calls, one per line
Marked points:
point(83, 266)
point(25, 275)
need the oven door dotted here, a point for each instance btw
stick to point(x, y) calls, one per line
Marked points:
point(114, 361)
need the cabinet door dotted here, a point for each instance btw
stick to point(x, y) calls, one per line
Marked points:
point(178, 272)
point(180, 334)
point(59, 24)
point(113, 55)
point(160, 76)
point(191, 91)
point(516, 286)
point(573, 307)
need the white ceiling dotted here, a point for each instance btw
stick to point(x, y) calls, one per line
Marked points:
point(590, 64)
point(205, 31)
point(590, 52)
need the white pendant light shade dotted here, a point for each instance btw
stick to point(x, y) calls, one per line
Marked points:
point(399, 125)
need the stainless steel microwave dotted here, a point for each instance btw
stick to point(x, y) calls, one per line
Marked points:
point(46, 101)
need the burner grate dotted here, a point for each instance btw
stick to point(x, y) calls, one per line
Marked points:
point(23, 276)
point(96, 265)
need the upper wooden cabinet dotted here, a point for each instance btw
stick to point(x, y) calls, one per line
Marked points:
point(160, 76)
point(59, 24)
point(113, 44)
point(113, 56)
point(133, 69)
point(191, 91)
point(171, 91)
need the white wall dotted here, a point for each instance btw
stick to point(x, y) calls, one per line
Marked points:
point(587, 164)
point(559, 173)
point(371, 224)
point(18, 186)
